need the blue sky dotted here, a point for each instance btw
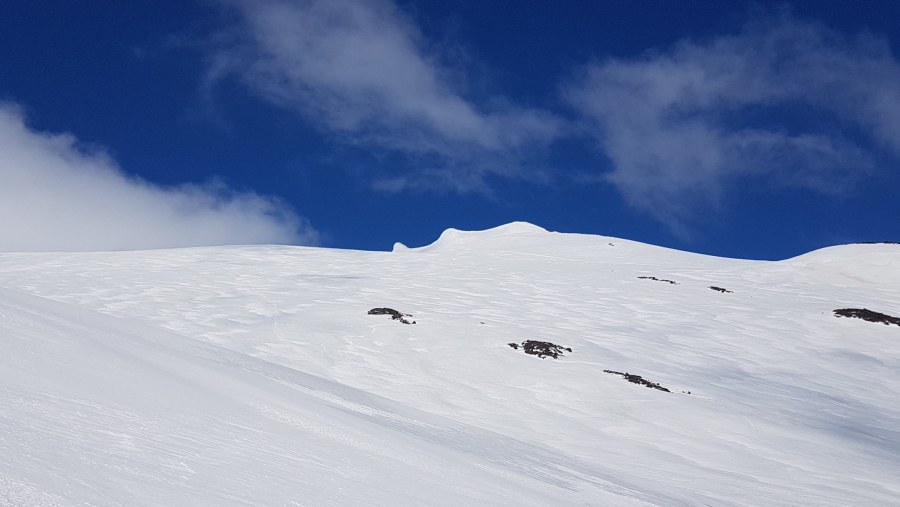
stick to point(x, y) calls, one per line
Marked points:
point(755, 130)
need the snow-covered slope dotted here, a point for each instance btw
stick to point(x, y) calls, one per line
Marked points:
point(254, 375)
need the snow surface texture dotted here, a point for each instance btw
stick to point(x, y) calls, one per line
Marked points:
point(255, 376)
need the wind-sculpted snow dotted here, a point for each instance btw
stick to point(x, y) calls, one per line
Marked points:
point(255, 375)
point(99, 410)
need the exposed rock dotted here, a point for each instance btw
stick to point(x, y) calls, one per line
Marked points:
point(541, 349)
point(866, 314)
point(395, 315)
point(637, 379)
point(673, 282)
point(386, 311)
point(720, 289)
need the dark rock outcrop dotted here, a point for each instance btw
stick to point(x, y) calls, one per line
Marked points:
point(637, 379)
point(395, 315)
point(868, 315)
point(544, 349)
point(673, 282)
point(720, 289)
point(541, 349)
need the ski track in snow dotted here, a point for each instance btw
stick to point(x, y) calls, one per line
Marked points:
point(254, 376)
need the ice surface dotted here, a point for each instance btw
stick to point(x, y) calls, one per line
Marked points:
point(254, 375)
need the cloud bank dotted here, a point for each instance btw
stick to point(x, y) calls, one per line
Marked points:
point(58, 196)
point(783, 101)
point(362, 70)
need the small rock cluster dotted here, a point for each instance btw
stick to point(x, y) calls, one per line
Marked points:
point(541, 349)
point(673, 282)
point(720, 289)
point(867, 315)
point(395, 315)
point(637, 379)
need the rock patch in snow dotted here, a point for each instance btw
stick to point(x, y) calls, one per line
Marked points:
point(673, 282)
point(637, 379)
point(720, 289)
point(541, 349)
point(395, 315)
point(868, 315)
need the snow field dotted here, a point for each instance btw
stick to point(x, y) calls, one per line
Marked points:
point(253, 375)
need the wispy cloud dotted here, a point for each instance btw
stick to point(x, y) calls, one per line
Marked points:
point(784, 100)
point(363, 70)
point(57, 195)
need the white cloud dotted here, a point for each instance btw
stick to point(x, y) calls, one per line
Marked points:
point(58, 196)
point(364, 71)
point(679, 125)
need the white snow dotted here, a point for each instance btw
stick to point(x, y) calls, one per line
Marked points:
point(255, 376)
